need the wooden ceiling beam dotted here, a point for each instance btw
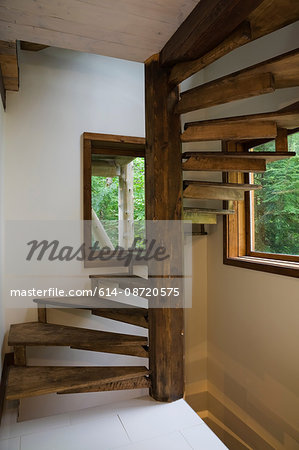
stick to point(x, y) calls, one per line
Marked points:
point(2, 90)
point(9, 65)
point(207, 26)
point(32, 46)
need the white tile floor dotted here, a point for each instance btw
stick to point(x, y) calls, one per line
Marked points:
point(138, 424)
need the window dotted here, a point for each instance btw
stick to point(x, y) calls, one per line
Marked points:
point(264, 232)
point(114, 196)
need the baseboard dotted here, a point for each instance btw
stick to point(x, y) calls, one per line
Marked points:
point(8, 361)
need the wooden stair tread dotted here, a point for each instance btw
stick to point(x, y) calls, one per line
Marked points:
point(132, 383)
point(102, 307)
point(46, 334)
point(30, 381)
point(285, 118)
point(248, 82)
point(221, 212)
point(233, 186)
point(268, 156)
point(87, 303)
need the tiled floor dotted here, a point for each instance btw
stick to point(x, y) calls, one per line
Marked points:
point(139, 424)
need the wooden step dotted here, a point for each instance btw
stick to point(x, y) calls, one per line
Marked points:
point(124, 280)
point(231, 162)
point(242, 127)
point(32, 381)
point(102, 307)
point(268, 17)
point(216, 191)
point(46, 334)
point(223, 163)
point(134, 383)
point(276, 73)
point(218, 212)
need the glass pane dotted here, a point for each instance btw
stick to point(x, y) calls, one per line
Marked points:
point(275, 208)
point(118, 200)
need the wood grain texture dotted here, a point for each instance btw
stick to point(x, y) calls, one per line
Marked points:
point(226, 90)
point(31, 381)
point(20, 355)
point(45, 334)
point(134, 383)
point(98, 306)
point(198, 217)
point(219, 191)
point(9, 65)
point(181, 71)
point(227, 129)
point(269, 16)
point(281, 141)
point(129, 30)
point(267, 156)
point(209, 23)
point(164, 202)
point(287, 117)
point(220, 212)
point(224, 163)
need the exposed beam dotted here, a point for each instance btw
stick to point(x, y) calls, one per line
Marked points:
point(238, 37)
point(32, 46)
point(209, 23)
point(242, 154)
point(269, 16)
point(211, 130)
point(2, 89)
point(224, 91)
point(224, 163)
point(163, 189)
point(9, 65)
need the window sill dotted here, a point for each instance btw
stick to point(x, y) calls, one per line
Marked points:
point(287, 268)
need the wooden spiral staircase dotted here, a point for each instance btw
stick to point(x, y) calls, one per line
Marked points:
point(165, 190)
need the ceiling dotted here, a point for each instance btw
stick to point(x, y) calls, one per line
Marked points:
point(128, 29)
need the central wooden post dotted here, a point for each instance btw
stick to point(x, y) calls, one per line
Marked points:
point(163, 159)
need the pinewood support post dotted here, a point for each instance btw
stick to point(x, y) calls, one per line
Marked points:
point(164, 202)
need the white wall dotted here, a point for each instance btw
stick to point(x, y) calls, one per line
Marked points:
point(253, 333)
point(2, 325)
point(62, 94)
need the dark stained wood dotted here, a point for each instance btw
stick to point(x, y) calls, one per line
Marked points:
point(41, 334)
point(164, 202)
point(223, 163)
point(229, 129)
point(240, 36)
point(281, 141)
point(269, 16)
point(134, 383)
point(9, 65)
point(32, 46)
point(98, 306)
point(209, 23)
point(225, 90)
point(263, 265)
point(20, 355)
point(2, 89)
point(115, 141)
point(42, 314)
point(272, 15)
point(283, 118)
point(8, 361)
point(31, 381)
point(267, 156)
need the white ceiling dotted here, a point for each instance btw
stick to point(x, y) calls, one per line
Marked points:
point(128, 29)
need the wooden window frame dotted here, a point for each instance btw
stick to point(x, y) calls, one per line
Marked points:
point(97, 143)
point(237, 230)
